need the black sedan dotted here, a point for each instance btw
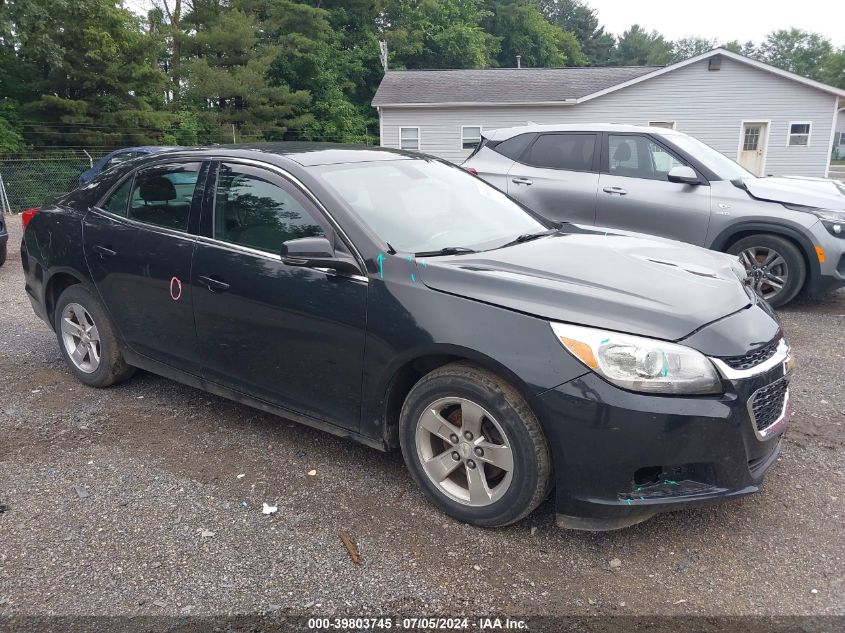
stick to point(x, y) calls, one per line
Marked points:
point(402, 302)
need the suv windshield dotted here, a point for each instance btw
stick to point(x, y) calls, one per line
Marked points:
point(718, 163)
point(425, 206)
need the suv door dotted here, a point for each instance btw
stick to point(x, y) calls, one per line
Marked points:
point(138, 247)
point(635, 193)
point(557, 176)
point(288, 335)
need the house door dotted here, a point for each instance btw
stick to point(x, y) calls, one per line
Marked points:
point(752, 148)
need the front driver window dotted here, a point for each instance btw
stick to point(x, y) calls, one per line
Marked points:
point(639, 157)
point(252, 211)
point(162, 195)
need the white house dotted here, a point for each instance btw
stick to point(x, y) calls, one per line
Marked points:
point(770, 120)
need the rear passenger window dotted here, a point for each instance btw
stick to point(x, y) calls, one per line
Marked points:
point(119, 200)
point(573, 152)
point(515, 146)
point(162, 195)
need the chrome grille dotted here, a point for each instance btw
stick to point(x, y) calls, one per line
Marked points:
point(752, 358)
point(767, 404)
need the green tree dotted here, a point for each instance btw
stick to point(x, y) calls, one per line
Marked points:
point(795, 50)
point(83, 71)
point(437, 33)
point(638, 47)
point(832, 71)
point(748, 49)
point(522, 29)
point(690, 47)
point(582, 21)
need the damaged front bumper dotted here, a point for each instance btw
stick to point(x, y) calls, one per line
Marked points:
point(621, 457)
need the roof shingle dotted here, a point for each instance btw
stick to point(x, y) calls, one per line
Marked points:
point(500, 85)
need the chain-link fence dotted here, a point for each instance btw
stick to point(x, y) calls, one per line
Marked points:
point(30, 179)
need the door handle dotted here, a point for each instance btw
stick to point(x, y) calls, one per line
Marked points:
point(104, 252)
point(522, 181)
point(612, 190)
point(215, 285)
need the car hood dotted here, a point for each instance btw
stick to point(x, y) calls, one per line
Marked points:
point(619, 281)
point(793, 191)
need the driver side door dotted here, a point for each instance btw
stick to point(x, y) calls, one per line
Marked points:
point(635, 193)
point(288, 335)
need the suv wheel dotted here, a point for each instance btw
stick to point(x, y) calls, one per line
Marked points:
point(474, 446)
point(3, 250)
point(774, 265)
point(87, 339)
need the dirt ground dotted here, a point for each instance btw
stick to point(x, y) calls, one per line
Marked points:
point(146, 499)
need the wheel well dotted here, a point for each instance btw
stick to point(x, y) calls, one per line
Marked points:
point(748, 233)
point(410, 374)
point(57, 284)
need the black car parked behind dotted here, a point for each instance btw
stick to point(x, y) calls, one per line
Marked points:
point(400, 301)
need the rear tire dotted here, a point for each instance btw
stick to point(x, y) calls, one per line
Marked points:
point(775, 266)
point(473, 445)
point(3, 251)
point(87, 339)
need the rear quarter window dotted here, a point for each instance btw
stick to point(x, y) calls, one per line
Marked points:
point(514, 147)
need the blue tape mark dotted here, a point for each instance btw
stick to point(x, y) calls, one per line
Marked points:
point(380, 260)
point(605, 341)
point(413, 278)
point(629, 502)
point(665, 364)
point(410, 258)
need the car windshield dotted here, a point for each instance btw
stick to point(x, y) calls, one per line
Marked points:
point(718, 163)
point(424, 205)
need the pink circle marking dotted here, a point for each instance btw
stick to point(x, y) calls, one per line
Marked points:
point(175, 289)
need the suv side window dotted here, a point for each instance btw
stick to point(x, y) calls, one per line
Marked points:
point(255, 209)
point(573, 152)
point(514, 147)
point(162, 195)
point(639, 157)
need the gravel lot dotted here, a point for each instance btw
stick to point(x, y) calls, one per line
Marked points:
point(175, 480)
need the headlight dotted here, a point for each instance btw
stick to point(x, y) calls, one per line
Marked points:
point(640, 364)
point(834, 227)
point(832, 220)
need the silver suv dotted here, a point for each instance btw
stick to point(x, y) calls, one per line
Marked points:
point(789, 233)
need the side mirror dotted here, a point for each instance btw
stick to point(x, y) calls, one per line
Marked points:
point(316, 252)
point(683, 175)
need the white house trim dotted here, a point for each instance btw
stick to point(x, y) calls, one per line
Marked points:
point(836, 111)
point(380, 128)
point(419, 137)
point(789, 133)
point(729, 55)
point(742, 123)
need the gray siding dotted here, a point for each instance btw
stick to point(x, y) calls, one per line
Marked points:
point(709, 105)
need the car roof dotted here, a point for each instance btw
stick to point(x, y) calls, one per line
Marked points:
point(304, 154)
point(503, 134)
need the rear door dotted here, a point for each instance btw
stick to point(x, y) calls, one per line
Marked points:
point(635, 193)
point(288, 335)
point(557, 176)
point(138, 245)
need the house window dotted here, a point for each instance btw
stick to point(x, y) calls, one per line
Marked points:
point(841, 142)
point(667, 124)
point(470, 136)
point(409, 138)
point(799, 134)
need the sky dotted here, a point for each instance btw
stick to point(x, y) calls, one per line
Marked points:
point(724, 20)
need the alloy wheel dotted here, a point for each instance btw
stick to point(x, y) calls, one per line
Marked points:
point(81, 338)
point(767, 270)
point(464, 451)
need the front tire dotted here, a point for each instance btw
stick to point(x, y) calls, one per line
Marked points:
point(774, 265)
point(473, 445)
point(87, 339)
